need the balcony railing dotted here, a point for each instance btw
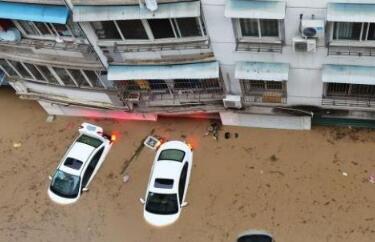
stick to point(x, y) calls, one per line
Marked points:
point(351, 50)
point(349, 102)
point(259, 47)
point(265, 98)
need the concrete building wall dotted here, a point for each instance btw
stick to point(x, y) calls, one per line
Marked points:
point(305, 83)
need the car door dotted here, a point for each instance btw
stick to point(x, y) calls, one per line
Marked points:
point(182, 182)
point(91, 167)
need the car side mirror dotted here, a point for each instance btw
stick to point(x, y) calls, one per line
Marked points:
point(184, 204)
point(50, 178)
point(142, 200)
point(85, 189)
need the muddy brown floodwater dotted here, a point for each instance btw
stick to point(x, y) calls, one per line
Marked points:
point(289, 183)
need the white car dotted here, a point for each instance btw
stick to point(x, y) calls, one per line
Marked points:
point(79, 165)
point(168, 183)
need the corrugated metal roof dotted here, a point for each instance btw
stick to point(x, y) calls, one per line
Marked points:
point(262, 71)
point(255, 9)
point(351, 12)
point(349, 74)
point(34, 12)
point(164, 72)
point(127, 12)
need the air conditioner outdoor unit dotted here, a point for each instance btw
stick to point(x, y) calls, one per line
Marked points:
point(304, 45)
point(232, 101)
point(312, 28)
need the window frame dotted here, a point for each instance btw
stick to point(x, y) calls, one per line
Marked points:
point(246, 87)
point(56, 76)
point(260, 38)
point(54, 33)
point(151, 39)
point(364, 32)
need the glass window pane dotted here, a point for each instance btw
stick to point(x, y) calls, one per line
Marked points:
point(43, 28)
point(80, 79)
point(132, 29)
point(189, 27)
point(6, 24)
point(93, 78)
point(62, 30)
point(75, 29)
point(371, 32)
point(161, 28)
point(347, 31)
point(249, 27)
point(106, 30)
point(28, 27)
point(8, 68)
point(19, 67)
point(269, 28)
point(64, 76)
point(46, 72)
point(35, 72)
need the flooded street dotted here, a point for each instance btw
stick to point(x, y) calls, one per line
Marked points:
point(305, 186)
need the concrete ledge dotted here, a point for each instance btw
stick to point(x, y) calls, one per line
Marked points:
point(266, 121)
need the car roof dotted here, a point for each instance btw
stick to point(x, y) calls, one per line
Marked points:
point(166, 170)
point(78, 151)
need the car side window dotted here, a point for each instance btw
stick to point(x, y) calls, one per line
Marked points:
point(91, 167)
point(182, 183)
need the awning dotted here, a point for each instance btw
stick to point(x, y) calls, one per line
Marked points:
point(34, 12)
point(164, 72)
point(351, 12)
point(255, 9)
point(128, 12)
point(364, 75)
point(262, 71)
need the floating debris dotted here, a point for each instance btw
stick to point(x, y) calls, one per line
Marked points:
point(227, 135)
point(236, 135)
point(17, 145)
point(345, 174)
point(125, 179)
point(371, 179)
point(213, 129)
point(152, 142)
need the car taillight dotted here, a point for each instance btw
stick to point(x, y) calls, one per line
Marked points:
point(113, 137)
point(190, 146)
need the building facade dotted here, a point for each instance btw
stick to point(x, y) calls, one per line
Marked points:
point(257, 63)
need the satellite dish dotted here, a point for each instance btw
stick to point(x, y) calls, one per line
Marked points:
point(151, 5)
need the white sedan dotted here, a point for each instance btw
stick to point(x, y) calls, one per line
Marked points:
point(168, 183)
point(79, 165)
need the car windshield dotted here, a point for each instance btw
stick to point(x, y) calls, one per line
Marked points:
point(255, 238)
point(89, 141)
point(162, 203)
point(65, 185)
point(172, 154)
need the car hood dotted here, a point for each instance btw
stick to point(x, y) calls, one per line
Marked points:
point(160, 220)
point(61, 200)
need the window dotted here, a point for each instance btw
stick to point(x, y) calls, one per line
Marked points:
point(163, 183)
point(122, 30)
point(47, 74)
point(182, 183)
point(353, 31)
point(7, 68)
point(259, 28)
point(350, 90)
point(172, 154)
point(64, 76)
point(189, 27)
point(34, 71)
point(161, 28)
point(106, 30)
point(48, 30)
point(257, 86)
point(73, 163)
point(132, 29)
point(93, 78)
point(85, 139)
point(21, 69)
point(53, 74)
